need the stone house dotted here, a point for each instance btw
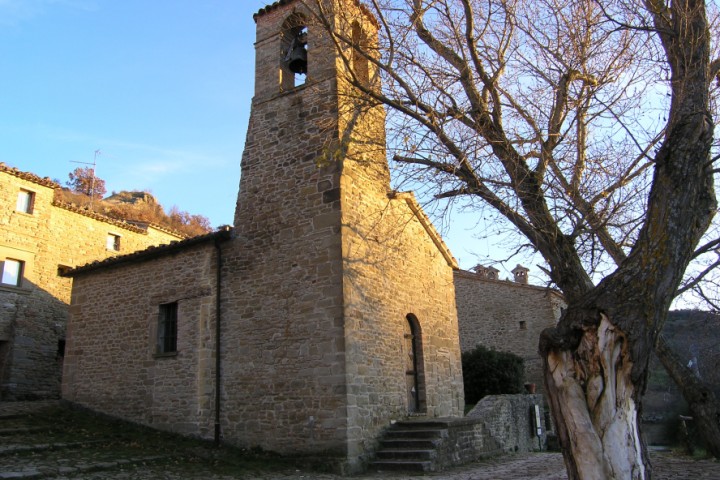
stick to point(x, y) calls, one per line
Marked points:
point(506, 315)
point(39, 237)
point(324, 315)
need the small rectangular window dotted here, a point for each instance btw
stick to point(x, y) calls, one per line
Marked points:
point(167, 328)
point(60, 349)
point(25, 201)
point(113, 242)
point(12, 272)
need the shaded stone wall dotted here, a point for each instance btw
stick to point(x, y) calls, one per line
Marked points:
point(509, 420)
point(392, 268)
point(33, 316)
point(111, 363)
point(506, 316)
point(393, 271)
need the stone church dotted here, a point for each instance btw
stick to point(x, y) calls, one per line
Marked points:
point(324, 315)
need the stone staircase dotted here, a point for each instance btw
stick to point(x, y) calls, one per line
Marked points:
point(410, 446)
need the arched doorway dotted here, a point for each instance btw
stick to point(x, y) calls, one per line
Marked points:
point(414, 365)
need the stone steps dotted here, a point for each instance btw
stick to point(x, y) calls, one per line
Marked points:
point(410, 446)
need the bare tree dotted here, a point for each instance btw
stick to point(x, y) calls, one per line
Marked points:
point(83, 180)
point(586, 126)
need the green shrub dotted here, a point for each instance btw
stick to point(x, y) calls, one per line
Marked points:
point(489, 372)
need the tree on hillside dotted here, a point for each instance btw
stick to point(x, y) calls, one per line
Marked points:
point(701, 400)
point(83, 180)
point(586, 127)
point(188, 223)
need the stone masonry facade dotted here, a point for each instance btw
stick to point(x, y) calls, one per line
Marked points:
point(42, 236)
point(112, 364)
point(505, 315)
point(336, 311)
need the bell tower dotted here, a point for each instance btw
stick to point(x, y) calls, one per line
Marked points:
point(327, 264)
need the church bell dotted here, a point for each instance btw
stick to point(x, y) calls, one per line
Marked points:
point(296, 57)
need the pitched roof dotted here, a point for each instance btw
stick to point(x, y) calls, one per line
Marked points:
point(409, 198)
point(221, 234)
point(30, 177)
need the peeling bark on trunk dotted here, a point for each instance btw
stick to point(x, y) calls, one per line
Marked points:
point(703, 404)
point(593, 403)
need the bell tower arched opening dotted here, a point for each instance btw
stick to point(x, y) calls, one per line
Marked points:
point(294, 52)
point(359, 61)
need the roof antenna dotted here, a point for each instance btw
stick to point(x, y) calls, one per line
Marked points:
point(92, 178)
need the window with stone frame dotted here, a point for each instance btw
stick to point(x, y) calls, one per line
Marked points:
point(167, 328)
point(25, 201)
point(12, 272)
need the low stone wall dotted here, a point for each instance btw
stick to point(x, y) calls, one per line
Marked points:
point(509, 421)
point(499, 424)
point(468, 440)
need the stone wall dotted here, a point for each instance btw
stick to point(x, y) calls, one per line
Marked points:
point(33, 315)
point(505, 316)
point(509, 419)
point(284, 383)
point(398, 271)
point(112, 364)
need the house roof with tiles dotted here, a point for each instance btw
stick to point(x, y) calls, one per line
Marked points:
point(30, 177)
point(133, 226)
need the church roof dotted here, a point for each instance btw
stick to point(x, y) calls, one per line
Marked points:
point(415, 207)
point(221, 234)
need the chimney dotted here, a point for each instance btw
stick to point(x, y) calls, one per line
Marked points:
point(492, 273)
point(521, 274)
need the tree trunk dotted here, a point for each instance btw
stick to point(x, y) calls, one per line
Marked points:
point(703, 404)
point(596, 359)
point(593, 402)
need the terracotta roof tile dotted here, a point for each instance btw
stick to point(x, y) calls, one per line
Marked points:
point(31, 177)
point(97, 216)
point(221, 234)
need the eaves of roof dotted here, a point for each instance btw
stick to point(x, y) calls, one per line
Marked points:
point(220, 235)
point(509, 283)
point(159, 227)
point(409, 198)
point(96, 216)
point(30, 177)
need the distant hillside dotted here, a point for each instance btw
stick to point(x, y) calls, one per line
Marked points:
point(694, 335)
point(140, 207)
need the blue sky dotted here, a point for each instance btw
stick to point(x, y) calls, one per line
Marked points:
point(162, 88)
